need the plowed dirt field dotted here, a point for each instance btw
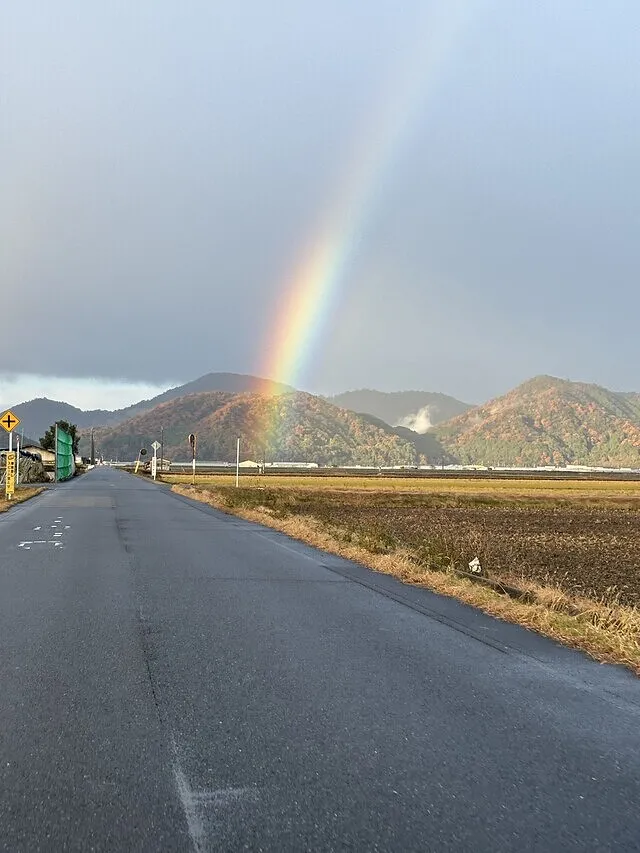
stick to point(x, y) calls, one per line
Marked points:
point(586, 550)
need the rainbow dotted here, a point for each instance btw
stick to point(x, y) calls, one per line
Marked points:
point(311, 290)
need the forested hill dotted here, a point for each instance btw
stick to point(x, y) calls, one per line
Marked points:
point(295, 427)
point(548, 421)
point(38, 415)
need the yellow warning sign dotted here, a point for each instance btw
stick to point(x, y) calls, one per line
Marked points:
point(9, 421)
point(10, 478)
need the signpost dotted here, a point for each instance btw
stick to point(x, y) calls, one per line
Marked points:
point(143, 452)
point(193, 441)
point(9, 422)
point(154, 461)
point(10, 478)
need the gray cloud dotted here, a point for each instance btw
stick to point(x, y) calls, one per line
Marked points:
point(164, 163)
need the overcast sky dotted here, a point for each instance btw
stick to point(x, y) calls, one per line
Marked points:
point(164, 164)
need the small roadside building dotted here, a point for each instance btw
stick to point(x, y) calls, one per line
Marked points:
point(47, 457)
point(27, 445)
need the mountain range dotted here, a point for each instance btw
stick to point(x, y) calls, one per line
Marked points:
point(38, 415)
point(545, 421)
point(295, 427)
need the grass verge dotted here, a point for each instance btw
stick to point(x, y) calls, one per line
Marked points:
point(19, 497)
point(605, 628)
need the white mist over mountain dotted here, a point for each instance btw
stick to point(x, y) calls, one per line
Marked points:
point(419, 422)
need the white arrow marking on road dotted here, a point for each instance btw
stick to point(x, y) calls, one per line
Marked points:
point(37, 528)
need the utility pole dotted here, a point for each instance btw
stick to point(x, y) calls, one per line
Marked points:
point(93, 450)
point(161, 449)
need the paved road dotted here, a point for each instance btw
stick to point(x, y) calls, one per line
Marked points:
point(175, 679)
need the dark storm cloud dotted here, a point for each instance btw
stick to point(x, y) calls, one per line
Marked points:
point(163, 163)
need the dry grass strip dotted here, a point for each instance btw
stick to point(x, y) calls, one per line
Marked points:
point(608, 631)
point(19, 497)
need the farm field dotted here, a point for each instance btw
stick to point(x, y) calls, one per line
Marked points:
point(526, 487)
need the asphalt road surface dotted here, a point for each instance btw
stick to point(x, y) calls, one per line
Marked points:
point(172, 678)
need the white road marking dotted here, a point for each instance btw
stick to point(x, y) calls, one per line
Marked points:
point(57, 522)
point(224, 796)
point(193, 801)
point(194, 822)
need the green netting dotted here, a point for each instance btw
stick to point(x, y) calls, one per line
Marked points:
point(65, 462)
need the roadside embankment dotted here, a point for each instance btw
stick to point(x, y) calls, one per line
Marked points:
point(21, 495)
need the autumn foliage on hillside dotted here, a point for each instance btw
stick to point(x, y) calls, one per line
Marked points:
point(545, 421)
point(548, 421)
point(295, 427)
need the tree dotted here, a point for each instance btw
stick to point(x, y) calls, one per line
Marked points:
point(48, 440)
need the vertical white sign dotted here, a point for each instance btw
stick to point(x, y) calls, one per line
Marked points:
point(154, 460)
